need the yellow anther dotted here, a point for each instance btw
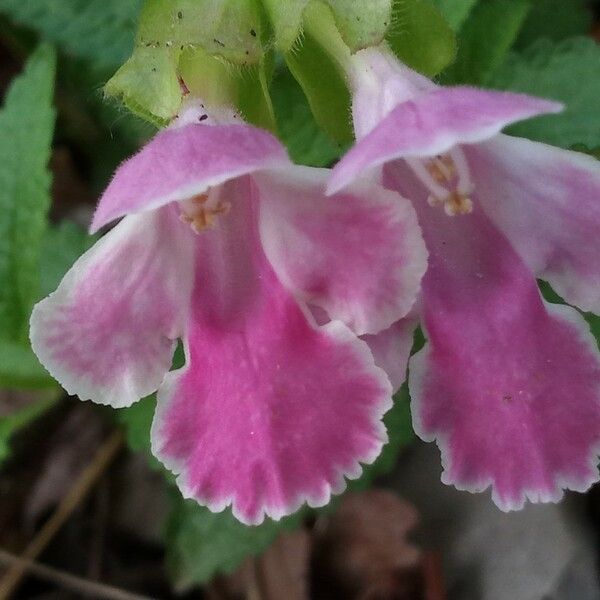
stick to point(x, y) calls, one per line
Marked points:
point(442, 169)
point(457, 204)
point(200, 216)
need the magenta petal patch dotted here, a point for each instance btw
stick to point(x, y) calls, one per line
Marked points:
point(183, 162)
point(547, 202)
point(271, 410)
point(432, 124)
point(108, 332)
point(520, 413)
point(508, 387)
point(359, 255)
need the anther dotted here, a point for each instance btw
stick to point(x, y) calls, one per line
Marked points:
point(448, 180)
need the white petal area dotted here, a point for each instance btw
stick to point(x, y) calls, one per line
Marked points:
point(547, 202)
point(358, 254)
point(108, 333)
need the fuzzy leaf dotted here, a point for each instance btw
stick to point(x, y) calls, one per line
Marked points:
point(455, 11)
point(555, 20)
point(21, 370)
point(306, 142)
point(201, 544)
point(486, 38)
point(568, 72)
point(62, 245)
point(26, 128)
point(421, 37)
point(100, 31)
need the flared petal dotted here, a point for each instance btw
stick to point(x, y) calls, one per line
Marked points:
point(359, 255)
point(509, 387)
point(432, 124)
point(185, 161)
point(547, 202)
point(108, 332)
point(391, 349)
point(271, 410)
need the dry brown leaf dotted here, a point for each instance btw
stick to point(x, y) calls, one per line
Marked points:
point(362, 551)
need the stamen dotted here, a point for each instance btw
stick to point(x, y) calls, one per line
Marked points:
point(201, 211)
point(448, 180)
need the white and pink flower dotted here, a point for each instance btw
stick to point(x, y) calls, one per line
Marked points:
point(226, 245)
point(507, 384)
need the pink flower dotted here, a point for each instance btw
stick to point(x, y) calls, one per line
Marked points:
point(225, 244)
point(508, 385)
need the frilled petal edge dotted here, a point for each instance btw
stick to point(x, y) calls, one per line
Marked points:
point(271, 410)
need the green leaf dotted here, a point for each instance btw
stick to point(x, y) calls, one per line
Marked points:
point(361, 24)
point(421, 37)
point(26, 127)
point(486, 37)
point(306, 142)
point(555, 20)
point(21, 370)
point(137, 421)
point(101, 31)
point(62, 245)
point(321, 76)
point(10, 424)
point(455, 11)
point(568, 72)
point(201, 544)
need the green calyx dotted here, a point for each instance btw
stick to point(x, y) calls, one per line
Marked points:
point(181, 42)
point(222, 51)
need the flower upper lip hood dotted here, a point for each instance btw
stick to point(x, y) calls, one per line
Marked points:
point(166, 179)
point(507, 385)
point(225, 244)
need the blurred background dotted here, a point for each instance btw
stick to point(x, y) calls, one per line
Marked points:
point(86, 512)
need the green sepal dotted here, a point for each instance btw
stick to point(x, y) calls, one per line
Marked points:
point(148, 84)
point(219, 83)
point(172, 35)
point(286, 20)
point(421, 37)
point(361, 24)
point(318, 66)
point(227, 28)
